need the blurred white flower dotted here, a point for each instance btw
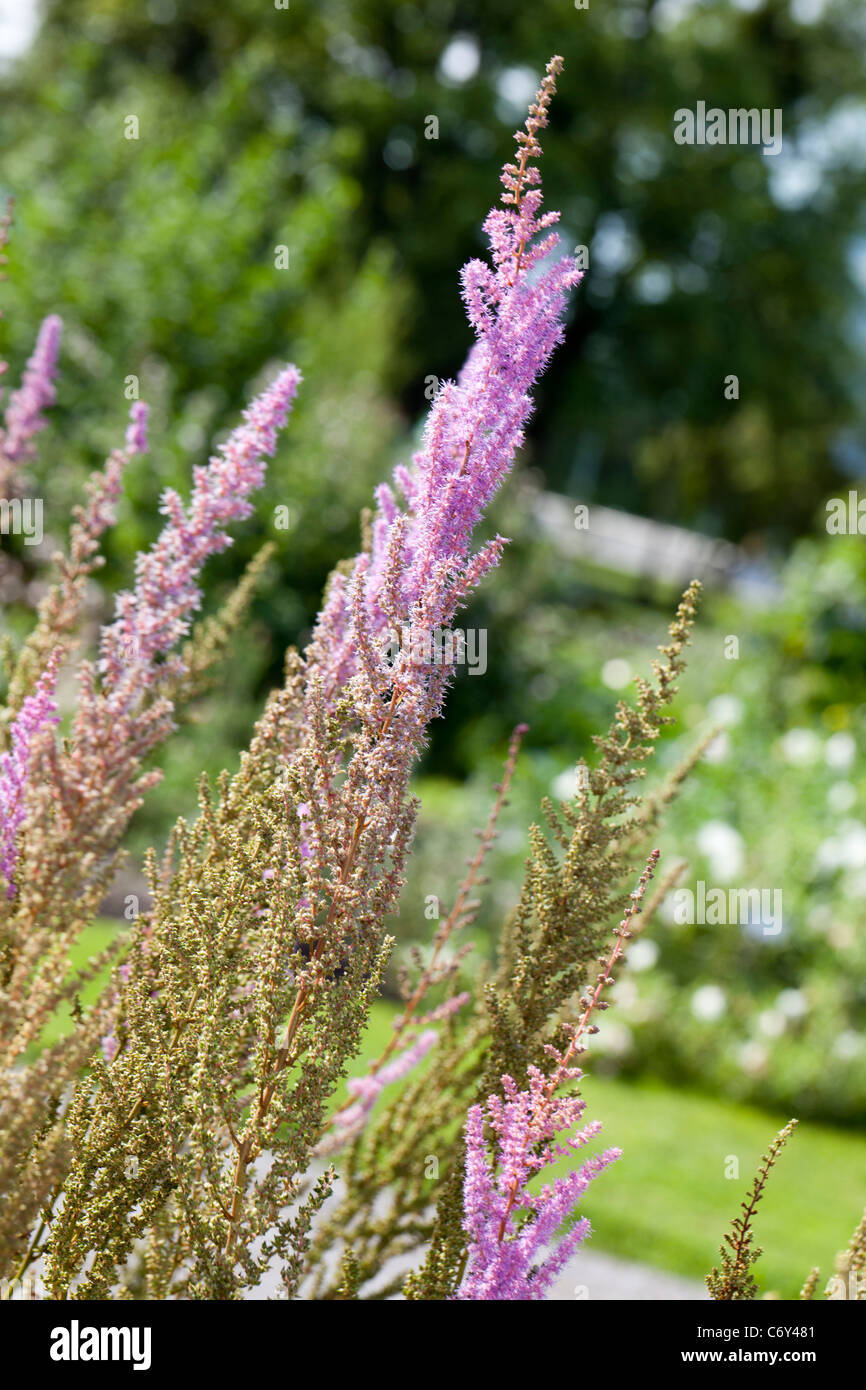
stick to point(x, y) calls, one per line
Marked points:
point(753, 1057)
point(653, 283)
point(708, 1003)
point(725, 709)
point(821, 918)
point(616, 673)
point(808, 11)
point(854, 884)
point(841, 936)
point(848, 1045)
point(840, 750)
point(614, 1038)
point(841, 796)
point(722, 846)
point(852, 838)
point(624, 993)
point(828, 855)
point(800, 747)
point(846, 849)
point(792, 1003)
point(564, 787)
point(771, 1023)
point(460, 60)
point(614, 247)
point(720, 749)
point(642, 954)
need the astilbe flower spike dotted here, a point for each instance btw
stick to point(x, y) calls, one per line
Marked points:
point(421, 568)
point(38, 713)
point(151, 619)
point(119, 721)
point(502, 1247)
point(26, 408)
point(510, 1239)
point(269, 927)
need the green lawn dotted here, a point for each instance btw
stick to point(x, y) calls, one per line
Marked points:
point(667, 1201)
point(90, 943)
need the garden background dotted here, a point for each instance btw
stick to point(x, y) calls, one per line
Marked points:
point(363, 136)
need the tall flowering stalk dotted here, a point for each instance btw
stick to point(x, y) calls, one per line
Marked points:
point(152, 618)
point(269, 930)
point(25, 412)
point(38, 713)
point(81, 794)
point(509, 1236)
point(508, 1225)
point(60, 610)
point(419, 571)
point(90, 789)
point(421, 568)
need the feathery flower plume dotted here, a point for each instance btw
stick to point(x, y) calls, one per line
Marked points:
point(365, 1091)
point(60, 609)
point(37, 713)
point(365, 713)
point(502, 1249)
point(418, 572)
point(421, 568)
point(112, 732)
point(25, 411)
point(510, 1258)
point(152, 618)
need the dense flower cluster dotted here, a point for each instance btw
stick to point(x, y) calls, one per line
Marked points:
point(512, 1230)
point(25, 413)
point(151, 620)
point(421, 567)
point(38, 712)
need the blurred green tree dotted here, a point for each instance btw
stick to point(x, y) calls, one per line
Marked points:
point(314, 126)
